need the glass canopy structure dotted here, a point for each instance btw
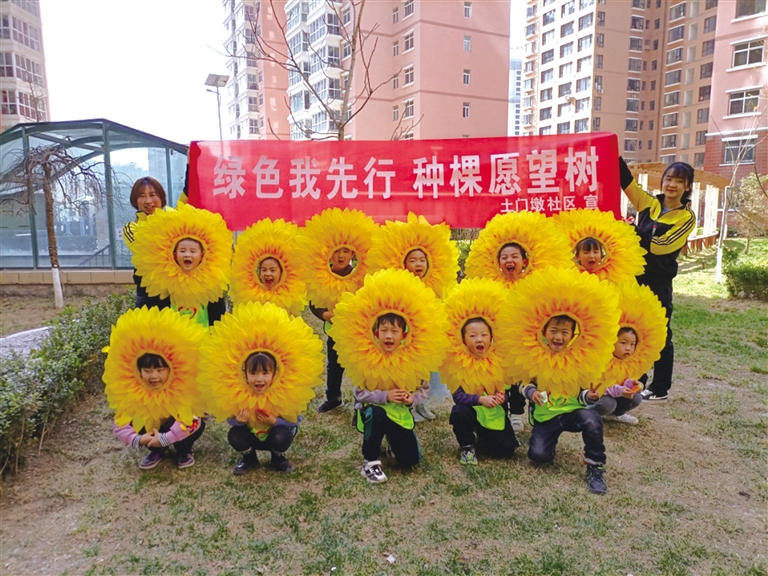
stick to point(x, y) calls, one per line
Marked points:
point(88, 233)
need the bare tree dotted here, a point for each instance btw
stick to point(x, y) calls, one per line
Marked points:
point(361, 44)
point(63, 180)
point(750, 203)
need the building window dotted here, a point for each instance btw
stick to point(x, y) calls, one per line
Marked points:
point(547, 37)
point(710, 24)
point(465, 109)
point(635, 64)
point(599, 83)
point(564, 110)
point(749, 7)
point(564, 89)
point(669, 120)
point(407, 76)
point(545, 113)
point(583, 63)
point(677, 11)
point(672, 78)
point(467, 9)
point(408, 109)
point(596, 123)
point(547, 75)
point(586, 4)
point(253, 126)
point(467, 77)
point(395, 15)
point(346, 15)
point(701, 138)
point(698, 160)
point(581, 125)
point(395, 48)
point(566, 49)
point(545, 95)
point(548, 17)
point(564, 128)
point(669, 141)
point(346, 50)
point(395, 113)
point(744, 102)
point(675, 55)
point(676, 33)
point(702, 116)
point(709, 4)
point(667, 158)
point(635, 43)
point(584, 43)
point(630, 145)
point(601, 18)
point(741, 151)
point(633, 85)
point(545, 131)
point(582, 84)
point(566, 29)
point(708, 48)
point(672, 98)
point(600, 40)
point(407, 8)
point(547, 56)
point(396, 81)
point(566, 70)
point(568, 8)
point(408, 42)
point(706, 70)
point(705, 92)
point(633, 105)
point(748, 53)
point(407, 136)
point(630, 125)
point(467, 43)
point(636, 22)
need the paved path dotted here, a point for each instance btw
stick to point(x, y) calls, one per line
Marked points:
point(22, 342)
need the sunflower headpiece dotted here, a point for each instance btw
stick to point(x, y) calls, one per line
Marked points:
point(424, 344)
point(474, 298)
point(325, 233)
point(590, 302)
point(396, 240)
point(268, 239)
point(153, 255)
point(623, 257)
point(640, 310)
point(257, 327)
point(177, 340)
point(545, 246)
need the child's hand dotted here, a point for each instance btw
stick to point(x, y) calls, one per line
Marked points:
point(399, 397)
point(593, 394)
point(489, 401)
point(243, 415)
point(327, 315)
point(538, 398)
point(631, 387)
point(262, 416)
point(153, 440)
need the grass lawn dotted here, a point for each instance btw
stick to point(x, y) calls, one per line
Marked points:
point(687, 491)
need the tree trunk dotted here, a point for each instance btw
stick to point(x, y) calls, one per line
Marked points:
point(53, 249)
point(722, 237)
point(749, 239)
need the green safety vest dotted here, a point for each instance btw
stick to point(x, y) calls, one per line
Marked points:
point(492, 418)
point(198, 315)
point(554, 407)
point(400, 414)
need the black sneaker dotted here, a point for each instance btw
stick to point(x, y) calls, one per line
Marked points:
point(595, 480)
point(330, 404)
point(652, 397)
point(248, 461)
point(281, 463)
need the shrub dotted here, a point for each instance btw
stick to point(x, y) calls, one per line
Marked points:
point(730, 256)
point(747, 280)
point(36, 389)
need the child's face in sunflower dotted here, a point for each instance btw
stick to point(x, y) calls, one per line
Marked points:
point(188, 254)
point(390, 336)
point(260, 380)
point(155, 377)
point(558, 334)
point(416, 263)
point(341, 258)
point(625, 345)
point(512, 263)
point(477, 338)
point(590, 259)
point(270, 273)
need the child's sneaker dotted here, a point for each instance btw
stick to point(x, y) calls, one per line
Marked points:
point(372, 472)
point(248, 461)
point(624, 419)
point(281, 463)
point(151, 460)
point(417, 418)
point(595, 480)
point(185, 460)
point(468, 456)
point(424, 411)
point(518, 424)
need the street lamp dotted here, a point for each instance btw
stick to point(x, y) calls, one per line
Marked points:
point(217, 81)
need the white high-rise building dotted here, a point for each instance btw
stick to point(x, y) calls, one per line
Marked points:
point(515, 82)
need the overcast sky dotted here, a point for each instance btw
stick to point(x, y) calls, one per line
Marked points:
point(143, 63)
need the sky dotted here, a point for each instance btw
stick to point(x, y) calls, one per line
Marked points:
point(143, 63)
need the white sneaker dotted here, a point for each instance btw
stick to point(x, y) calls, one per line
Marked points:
point(372, 472)
point(424, 410)
point(624, 419)
point(416, 416)
point(518, 424)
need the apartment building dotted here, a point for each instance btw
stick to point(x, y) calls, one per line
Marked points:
point(23, 84)
point(639, 68)
point(439, 69)
point(737, 135)
point(515, 90)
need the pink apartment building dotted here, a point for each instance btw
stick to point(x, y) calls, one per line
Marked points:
point(442, 68)
point(738, 119)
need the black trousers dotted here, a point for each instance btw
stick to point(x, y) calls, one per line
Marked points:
point(182, 447)
point(376, 425)
point(662, 369)
point(515, 400)
point(144, 299)
point(242, 439)
point(334, 373)
point(544, 436)
point(501, 443)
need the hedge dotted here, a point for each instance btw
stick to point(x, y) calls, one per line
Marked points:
point(36, 389)
point(747, 280)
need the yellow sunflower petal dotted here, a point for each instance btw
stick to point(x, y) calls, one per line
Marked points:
point(325, 233)
point(593, 303)
point(624, 257)
point(166, 333)
point(396, 239)
point(640, 309)
point(279, 240)
point(156, 239)
point(543, 242)
point(425, 344)
point(254, 327)
point(473, 298)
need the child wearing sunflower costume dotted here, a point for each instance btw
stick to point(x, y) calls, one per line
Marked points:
point(560, 325)
point(185, 254)
point(257, 371)
point(334, 247)
point(474, 372)
point(390, 335)
point(150, 376)
point(426, 251)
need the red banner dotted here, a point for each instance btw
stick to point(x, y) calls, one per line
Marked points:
point(464, 182)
